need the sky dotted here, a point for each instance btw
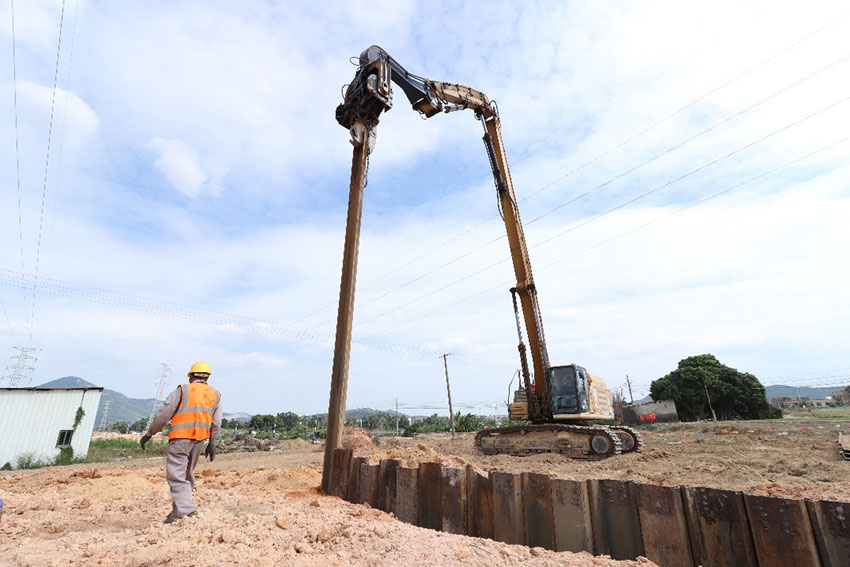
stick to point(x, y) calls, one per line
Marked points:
point(173, 188)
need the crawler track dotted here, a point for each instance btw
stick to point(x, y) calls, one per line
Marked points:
point(585, 442)
point(632, 440)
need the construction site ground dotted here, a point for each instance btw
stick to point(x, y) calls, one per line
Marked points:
point(262, 506)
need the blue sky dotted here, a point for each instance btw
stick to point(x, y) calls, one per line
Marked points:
point(196, 188)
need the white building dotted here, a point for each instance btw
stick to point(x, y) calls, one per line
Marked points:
point(39, 422)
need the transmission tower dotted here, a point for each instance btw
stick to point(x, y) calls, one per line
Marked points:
point(164, 370)
point(21, 366)
point(104, 416)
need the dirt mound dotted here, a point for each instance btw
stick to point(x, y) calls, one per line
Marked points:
point(244, 443)
point(358, 440)
point(412, 456)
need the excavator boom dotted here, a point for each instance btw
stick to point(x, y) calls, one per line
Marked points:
point(370, 94)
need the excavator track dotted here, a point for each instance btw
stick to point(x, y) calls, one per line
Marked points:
point(585, 442)
point(631, 439)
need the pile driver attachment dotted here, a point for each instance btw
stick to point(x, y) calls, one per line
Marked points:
point(559, 401)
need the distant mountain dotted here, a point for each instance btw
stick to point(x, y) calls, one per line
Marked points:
point(801, 391)
point(121, 407)
point(780, 390)
point(240, 416)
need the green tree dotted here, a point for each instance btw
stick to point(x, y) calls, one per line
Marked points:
point(468, 422)
point(265, 422)
point(120, 426)
point(733, 394)
point(140, 425)
point(289, 420)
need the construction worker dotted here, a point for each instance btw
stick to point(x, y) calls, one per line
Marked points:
point(195, 414)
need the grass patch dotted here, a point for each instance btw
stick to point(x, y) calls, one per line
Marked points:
point(111, 449)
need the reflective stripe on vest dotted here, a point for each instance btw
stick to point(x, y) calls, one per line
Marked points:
point(193, 419)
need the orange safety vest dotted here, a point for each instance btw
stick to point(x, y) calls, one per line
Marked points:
point(194, 417)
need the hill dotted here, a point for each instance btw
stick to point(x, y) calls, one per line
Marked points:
point(799, 391)
point(120, 406)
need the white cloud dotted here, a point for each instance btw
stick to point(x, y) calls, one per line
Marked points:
point(242, 96)
point(180, 164)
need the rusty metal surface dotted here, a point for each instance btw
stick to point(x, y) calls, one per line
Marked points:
point(354, 479)
point(430, 484)
point(345, 311)
point(339, 474)
point(718, 528)
point(453, 499)
point(407, 495)
point(831, 525)
point(479, 504)
point(537, 509)
point(387, 484)
point(616, 526)
point(571, 514)
point(782, 532)
point(508, 525)
point(662, 524)
point(368, 484)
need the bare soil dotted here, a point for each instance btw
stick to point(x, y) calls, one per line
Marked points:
point(791, 459)
point(264, 508)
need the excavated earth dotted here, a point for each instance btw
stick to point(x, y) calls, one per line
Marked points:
point(264, 507)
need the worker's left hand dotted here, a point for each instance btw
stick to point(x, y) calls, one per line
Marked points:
point(210, 451)
point(143, 441)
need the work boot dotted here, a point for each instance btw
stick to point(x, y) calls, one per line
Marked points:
point(171, 519)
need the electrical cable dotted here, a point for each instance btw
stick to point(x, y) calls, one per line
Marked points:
point(55, 196)
point(46, 167)
point(657, 156)
point(617, 146)
point(18, 154)
point(617, 237)
point(609, 211)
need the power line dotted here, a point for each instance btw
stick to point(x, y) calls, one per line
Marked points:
point(615, 208)
point(55, 196)
point(605, 184)
point(617, 237)
point(18, 154)
point(596, 158)
point(46, 166)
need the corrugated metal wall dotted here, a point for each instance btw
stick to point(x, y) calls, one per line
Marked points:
point(30, 422)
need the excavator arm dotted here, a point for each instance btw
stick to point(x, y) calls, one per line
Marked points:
point(370, 94)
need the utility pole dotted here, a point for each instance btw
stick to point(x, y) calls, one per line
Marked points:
point(631, 399)
point(165, 368)
point(396, 416)
point(21, 366)
point(449, 390)
point(103, 421)
point(713, 415)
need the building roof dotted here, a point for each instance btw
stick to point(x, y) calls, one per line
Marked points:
point(32, 388)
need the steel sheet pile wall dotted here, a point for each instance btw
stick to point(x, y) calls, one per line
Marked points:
point(671, 525)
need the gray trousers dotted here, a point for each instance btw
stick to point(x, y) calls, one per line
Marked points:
point(180, 461)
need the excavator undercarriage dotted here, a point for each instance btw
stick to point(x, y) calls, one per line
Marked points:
point(587, 442)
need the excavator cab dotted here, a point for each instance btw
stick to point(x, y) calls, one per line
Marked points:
point(568, 389)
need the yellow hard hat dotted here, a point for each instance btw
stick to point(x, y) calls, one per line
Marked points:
point(200, 367)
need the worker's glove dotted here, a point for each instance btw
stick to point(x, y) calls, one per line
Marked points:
point(144, 440)
point(210, 451)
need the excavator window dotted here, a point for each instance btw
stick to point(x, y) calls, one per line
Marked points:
point(564, 390)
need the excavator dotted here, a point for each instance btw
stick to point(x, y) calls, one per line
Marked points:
point(560, 407)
